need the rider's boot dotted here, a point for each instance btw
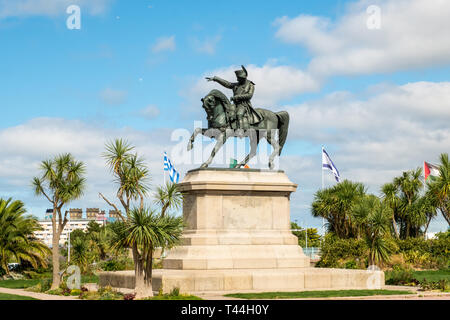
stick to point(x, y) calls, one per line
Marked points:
point(245, 124)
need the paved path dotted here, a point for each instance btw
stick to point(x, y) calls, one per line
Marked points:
point(36, 295)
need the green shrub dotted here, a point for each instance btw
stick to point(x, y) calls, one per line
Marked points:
point(56, 292)
point(400, 276)
point(45, 284)
point(339, 253)
point(417, 244)
point(175, 292)
point(117, 264)
point(351, 264)
point(442, 285)
point(107, 293)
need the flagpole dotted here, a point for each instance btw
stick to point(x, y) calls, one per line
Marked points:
point(323, 219)
point(164, 170)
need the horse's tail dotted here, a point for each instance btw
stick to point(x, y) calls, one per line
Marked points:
point(283, 126)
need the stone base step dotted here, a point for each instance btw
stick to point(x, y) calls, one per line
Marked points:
point(251, 280)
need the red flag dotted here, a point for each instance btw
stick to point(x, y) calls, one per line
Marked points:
point(430, 170)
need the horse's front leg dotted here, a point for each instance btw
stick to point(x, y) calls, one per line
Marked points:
point(192, 139)
point(221, 138)
point(254, 140)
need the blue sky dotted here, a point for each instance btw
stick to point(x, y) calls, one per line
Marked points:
point(136, 68)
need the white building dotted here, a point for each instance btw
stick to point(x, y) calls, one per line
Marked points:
point(46, 234)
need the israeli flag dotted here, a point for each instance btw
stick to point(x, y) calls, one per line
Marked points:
point(173, 174)
point(328, 164)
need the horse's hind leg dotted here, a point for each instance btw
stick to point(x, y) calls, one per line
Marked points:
point(276, 148)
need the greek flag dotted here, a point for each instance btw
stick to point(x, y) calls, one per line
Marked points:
point(328, 164)
point(173, 174)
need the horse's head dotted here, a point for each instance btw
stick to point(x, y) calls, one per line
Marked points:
point(209, 102)
point(214, 104)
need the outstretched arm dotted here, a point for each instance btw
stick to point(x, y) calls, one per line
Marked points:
point(221, 81)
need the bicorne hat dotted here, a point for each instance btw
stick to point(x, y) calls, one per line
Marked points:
point(241, 73)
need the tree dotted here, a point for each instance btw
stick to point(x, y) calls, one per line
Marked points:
point(80, 253)
point(439, 188)
point(411, 208)
point(389, 192)
point(373, 218)
point(168, 197)
point(92, 227)
point(100, 242)
point(132, 177)
point(130, 174)
point(61, 182)
point(17, 240)
point(408, 186)
point(144, 230)
point(313, 235)
point(335, 204)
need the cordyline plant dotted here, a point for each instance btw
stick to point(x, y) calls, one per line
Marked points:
point(61, 182)
point(139, 228)
point(17, 238)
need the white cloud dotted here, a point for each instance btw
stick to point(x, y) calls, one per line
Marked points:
point(372, 137)
point(164, 44)
point(376, 138)
point(150, 112)
point(26, 145)
point(24, 8)
point(208, 46)
point(273, 84)
point(113, 97)
point(413, 34)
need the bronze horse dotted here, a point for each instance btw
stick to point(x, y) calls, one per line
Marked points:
point(222, 125)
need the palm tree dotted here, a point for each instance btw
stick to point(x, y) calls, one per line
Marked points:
point(335, 205)
point(374, 216)
point(61, 182)
point(130, 173)
point(389, 192)
point(144, 230)
point(409, 185)
point(168, 197)
point(80, 253)
point(17, 236)
point(439, 188)
point(100, 242)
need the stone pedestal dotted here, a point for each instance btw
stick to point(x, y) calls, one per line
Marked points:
point(237, 239)
point(236, 219)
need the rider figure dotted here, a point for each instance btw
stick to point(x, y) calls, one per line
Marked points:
point(242, 93)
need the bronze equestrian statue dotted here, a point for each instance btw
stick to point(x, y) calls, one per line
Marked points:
point(226, 119)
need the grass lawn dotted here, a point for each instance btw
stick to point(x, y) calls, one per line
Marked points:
point(18, 284)
point(26, 283)
point(4, 296)
point(316, 294)
point(432, 275)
